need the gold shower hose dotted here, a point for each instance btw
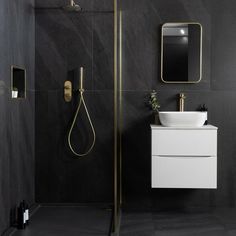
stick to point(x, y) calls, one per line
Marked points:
point(82, 101)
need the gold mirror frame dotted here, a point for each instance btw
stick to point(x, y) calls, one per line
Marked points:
point(181, 82)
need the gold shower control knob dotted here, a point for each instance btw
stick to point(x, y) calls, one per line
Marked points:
point(67, 91)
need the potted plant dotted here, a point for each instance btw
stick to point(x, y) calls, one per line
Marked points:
point(154, 105)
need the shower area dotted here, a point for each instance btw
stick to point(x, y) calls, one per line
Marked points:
point(77, 113)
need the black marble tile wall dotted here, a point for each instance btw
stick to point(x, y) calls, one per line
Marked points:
point(142, 22)
point(64, 42)
point(16, 116)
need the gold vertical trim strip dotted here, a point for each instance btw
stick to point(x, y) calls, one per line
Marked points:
point(120, 104)
point(115, 216)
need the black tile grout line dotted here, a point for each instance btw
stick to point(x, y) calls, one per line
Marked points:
point(79, 12)
point(177, 90)
point(92, 45)
point(106, 205)
point(76, 90)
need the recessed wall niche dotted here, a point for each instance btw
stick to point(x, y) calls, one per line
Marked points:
point(18, 82)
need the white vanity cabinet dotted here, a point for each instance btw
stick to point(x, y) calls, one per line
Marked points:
point(184, 157)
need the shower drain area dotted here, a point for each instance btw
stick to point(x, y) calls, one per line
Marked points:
point(68, 220)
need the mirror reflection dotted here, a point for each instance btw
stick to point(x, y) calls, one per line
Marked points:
point(181, 58)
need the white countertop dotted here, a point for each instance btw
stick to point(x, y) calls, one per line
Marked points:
point(204, 127)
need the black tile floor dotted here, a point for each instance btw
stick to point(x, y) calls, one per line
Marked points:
point(220, 222)
point(68, 220)
point(91, 221)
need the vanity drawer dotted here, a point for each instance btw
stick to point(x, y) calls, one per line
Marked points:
point(184, 142)
point(184, 172)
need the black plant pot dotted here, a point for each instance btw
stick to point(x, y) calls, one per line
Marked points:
point(156, 119)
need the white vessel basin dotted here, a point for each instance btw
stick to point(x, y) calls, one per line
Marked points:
point(182, 119)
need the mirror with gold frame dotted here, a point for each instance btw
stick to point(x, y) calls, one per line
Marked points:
point(181, 53)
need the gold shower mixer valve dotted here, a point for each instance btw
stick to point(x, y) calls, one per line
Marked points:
point(68, 86)
point(67, 91)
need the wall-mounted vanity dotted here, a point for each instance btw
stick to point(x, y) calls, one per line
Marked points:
point(184, 150)
point(184, 157)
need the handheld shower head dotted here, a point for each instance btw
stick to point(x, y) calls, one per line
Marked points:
point(72, 6)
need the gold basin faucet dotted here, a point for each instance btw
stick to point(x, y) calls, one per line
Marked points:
point(181, 101)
